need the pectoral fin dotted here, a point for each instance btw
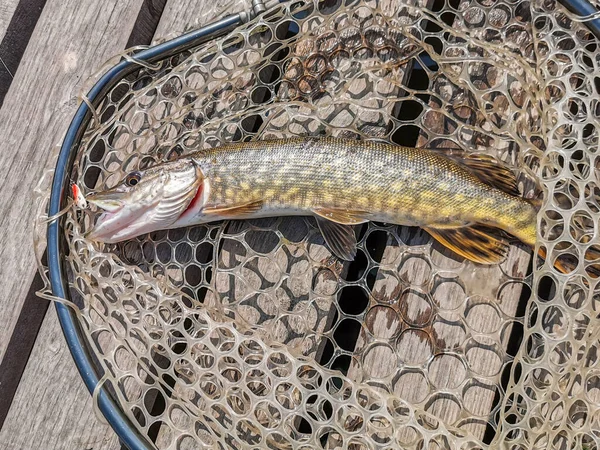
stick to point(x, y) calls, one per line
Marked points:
point(477, 243)
point(342, 216)
point(340, 238)
point(234, 211)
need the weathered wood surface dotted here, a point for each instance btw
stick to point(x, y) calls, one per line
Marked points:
point(69, 43)
point(185, 15)
point(71, 40)
point(7, 8)
point(52, 408)
point(17, 22)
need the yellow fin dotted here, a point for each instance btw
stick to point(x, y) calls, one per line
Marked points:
point(235, 210)
point(343, 216)
point(492, 172)
point(477, 243)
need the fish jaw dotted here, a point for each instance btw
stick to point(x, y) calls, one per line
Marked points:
point(111, 200)
point(155, 202)
point(112, 227)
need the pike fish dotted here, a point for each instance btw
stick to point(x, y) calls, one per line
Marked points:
point(468, 204)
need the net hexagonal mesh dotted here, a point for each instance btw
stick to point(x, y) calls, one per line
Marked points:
point(252, 335)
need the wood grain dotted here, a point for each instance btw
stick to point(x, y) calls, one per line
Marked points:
point(185, 15)
point(72, 38)
point(52, 408)
point(16, 27)
point(21, 345)
point(147, 22)
point(70, 41)
point(7, 8)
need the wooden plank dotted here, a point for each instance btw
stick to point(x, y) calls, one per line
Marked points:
point(186, 15)
point(146, 23)
point(17, 22)
point(7, 8)
point(21, 344)
point(71, 40)
point(52, 408)
point(420, 338)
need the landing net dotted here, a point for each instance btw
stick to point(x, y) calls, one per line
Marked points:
point(252, 335)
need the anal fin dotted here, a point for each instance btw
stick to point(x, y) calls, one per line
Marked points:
point(235, 211)
point(477, 243)
point(340, 238)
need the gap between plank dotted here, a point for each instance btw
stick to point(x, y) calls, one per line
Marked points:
point(34, 309)
point(20, 345)
point(15, 40)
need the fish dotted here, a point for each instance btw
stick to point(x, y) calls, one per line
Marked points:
point(468, 203)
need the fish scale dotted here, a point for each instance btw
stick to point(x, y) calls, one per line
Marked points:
point(464, 203)
point(394, 184)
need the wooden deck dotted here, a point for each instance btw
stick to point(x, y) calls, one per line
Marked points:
point(48, 49)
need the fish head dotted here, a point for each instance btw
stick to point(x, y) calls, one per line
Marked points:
point(145, 200)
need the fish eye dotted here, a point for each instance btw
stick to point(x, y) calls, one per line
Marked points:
point(133, 178)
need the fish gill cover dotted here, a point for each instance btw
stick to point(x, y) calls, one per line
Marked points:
point(252, 335)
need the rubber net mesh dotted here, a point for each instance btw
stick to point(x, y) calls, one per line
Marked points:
point(252, 335)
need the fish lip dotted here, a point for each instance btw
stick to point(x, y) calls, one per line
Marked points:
point(97, 232)
point(109, 206)
point(105, 201)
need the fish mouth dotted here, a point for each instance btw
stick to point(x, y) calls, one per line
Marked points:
point(105, 201)
point(114, 226)
point(109, 221)
point(97, 233)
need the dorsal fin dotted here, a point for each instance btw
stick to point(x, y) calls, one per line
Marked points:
point(491, 171)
